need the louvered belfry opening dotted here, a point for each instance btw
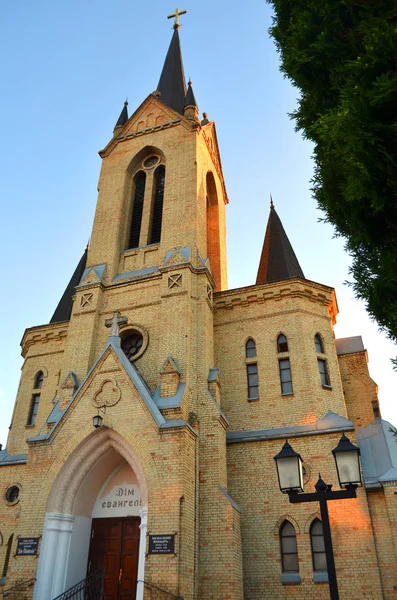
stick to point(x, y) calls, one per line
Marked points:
point(159, 181)
point(137, 209)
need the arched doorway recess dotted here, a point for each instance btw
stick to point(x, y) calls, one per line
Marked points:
point(78, 493)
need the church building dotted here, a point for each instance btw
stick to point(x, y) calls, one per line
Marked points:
point(140, 457)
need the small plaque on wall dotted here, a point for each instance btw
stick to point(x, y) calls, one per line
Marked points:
point(27, 546)
point(162, 544)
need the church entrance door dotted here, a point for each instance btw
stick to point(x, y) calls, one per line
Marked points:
point(115, 545)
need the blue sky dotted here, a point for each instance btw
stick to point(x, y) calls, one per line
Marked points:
point(66, 71)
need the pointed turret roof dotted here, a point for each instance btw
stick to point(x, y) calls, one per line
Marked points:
point(64, 308)
point(190, 100)
point(172, 83)
point(278, 261)
point(123, 118)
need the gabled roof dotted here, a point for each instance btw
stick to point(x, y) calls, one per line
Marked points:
point(172, 83)
point(64, 308)
point(278, 260)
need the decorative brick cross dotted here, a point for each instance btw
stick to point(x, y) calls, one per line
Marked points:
point(115, 322)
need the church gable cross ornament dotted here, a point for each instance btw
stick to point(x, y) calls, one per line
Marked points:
point(176, 15)
point(115, 322)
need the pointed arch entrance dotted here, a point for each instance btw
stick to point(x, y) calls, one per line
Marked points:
point(79, 497)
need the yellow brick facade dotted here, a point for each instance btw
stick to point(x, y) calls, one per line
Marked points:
point(179, 415)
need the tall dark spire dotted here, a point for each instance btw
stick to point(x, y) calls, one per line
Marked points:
point(172, 83)
point(64, 308)
point(123, 118)
point(278, 261)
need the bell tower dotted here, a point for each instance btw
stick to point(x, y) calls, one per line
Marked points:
point(161, 185)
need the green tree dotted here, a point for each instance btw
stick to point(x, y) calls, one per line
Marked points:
point(342, 56)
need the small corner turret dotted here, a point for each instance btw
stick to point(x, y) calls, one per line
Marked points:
point(190, 110)
point(123, 118)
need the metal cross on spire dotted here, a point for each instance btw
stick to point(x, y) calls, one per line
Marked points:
point(115, 322)
point(176, 15)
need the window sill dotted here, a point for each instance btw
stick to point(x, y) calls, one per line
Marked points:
point(29, 426)
point(253, 399)
point(288, 394)
point(132, 250)
point(290, 578)
point(320, 577)
point(327, 387)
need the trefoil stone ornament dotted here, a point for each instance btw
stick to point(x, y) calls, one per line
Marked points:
point(109, 394)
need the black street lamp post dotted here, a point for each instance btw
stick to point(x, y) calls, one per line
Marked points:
point(290, 477)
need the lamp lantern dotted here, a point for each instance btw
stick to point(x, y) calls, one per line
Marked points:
point(289, 469)
point(97, 421)
point(347, 461)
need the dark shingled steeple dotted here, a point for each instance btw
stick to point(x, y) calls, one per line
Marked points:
point(172, 84)
point(190, 100)
point(278, 260)
point(64, 308)
point(123, 118)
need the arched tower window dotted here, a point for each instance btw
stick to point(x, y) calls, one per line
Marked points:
point(38, 382)
point(137, 209)
point(284, 365)
point(34, 403)
point(252, 370)
point(318, 343)
point(288, 548)
point(282, 343)
point(317, 545)
point(213, 240)
point(158, 198)
point(321, 362)
point(250, 349)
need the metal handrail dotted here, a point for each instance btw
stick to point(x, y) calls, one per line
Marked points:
point(155, 587)
point(90, 588)
point(27, 583)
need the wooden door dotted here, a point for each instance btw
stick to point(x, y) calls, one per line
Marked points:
point(115, 545)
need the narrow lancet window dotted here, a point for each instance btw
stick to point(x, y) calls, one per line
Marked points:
point(157, 217)
point(284, 365)
point(285, 376)
point(322, 369)
point(250, 349)
point(288, 548)
point(282, 343)
point(34, 408)
point(253, 383)
point(321, 362)
point(137, 209)
point(252, 370)
point(318, 548)
point(318, 343)
point(38, 382)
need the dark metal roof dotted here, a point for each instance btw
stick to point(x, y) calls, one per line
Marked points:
point(64, 308)
point(190, 99)
point(278, 261)
point(123, 118)
point(172, 83)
